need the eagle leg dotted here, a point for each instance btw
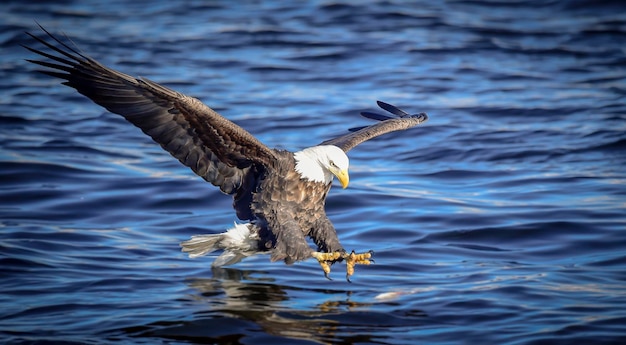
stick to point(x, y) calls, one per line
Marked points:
point(356, 259)
point(325, 260)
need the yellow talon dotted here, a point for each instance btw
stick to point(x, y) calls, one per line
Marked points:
point(325, 260)
point(354, 259)
point(326, 268)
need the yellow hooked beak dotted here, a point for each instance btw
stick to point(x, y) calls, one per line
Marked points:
point(343, 177)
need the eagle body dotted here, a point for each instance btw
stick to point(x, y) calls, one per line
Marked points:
point(284, 217)
point(278, 195)
point(298, 204)
point(279, 220)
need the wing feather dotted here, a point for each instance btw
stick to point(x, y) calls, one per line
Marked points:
point(215, 148)
point(401, 121)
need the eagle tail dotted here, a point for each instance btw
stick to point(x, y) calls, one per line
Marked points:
point(200, 245)
point(238, 242)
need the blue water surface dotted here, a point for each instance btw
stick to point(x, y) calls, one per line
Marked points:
point(502, 220)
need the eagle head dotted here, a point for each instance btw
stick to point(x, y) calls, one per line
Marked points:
point(321, 163)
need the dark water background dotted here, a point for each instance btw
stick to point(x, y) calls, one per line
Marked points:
point(500, 221)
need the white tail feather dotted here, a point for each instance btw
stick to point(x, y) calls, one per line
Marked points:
point(238, 242)
point(200, 245)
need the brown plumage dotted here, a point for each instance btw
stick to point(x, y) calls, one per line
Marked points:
point(280, 195)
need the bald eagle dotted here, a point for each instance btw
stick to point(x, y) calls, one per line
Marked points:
point(280, 195)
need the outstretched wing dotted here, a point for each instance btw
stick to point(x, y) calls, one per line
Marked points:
point(212, 146)
point(401, 121)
